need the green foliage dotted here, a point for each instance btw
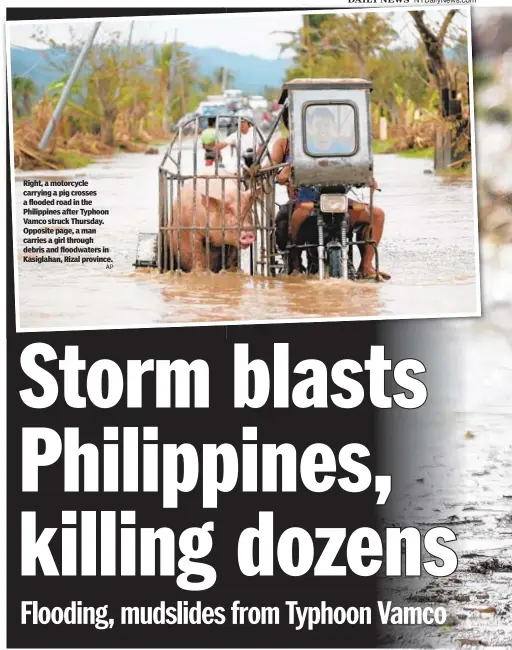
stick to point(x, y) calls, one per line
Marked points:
point(418, 153)
point(338, 42)
point(382, 146)
point(71, 159)
point(23, 91)
point(55, 89)
point(364, 44)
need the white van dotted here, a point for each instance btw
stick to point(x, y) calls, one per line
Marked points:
point(233, 93)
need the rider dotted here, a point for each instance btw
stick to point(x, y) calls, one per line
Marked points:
point(322, 134)
point(302, 200)
point(248, 139)
point(209, 141)
point(281, 153)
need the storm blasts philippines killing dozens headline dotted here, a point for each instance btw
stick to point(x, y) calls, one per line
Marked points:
point(215, 469)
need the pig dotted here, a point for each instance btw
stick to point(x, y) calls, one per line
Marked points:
point(208, 211)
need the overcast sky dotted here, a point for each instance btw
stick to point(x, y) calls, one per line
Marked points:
point(242, 33)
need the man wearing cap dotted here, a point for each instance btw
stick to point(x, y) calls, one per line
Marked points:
point(249, 139)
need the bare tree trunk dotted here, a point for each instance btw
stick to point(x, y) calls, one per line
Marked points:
point(107, 125)
point(27, 103)
point(434, 46)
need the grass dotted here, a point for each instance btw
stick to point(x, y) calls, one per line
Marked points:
point(382, 146)
point(385, 146)
point(72, 159)
point(457, 172)
point(417, 153)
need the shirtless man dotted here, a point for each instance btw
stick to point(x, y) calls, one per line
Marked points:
point(303, 199)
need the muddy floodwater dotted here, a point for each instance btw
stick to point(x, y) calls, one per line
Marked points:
point(428, 247)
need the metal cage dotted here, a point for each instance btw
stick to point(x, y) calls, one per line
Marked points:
point(203, 213)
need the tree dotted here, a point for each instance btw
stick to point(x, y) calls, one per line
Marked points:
point(399, 77)
point(176, 73)
point(223, 75)
point(109, 68)
point(434, 47)
point(349, 42)
point(361, 35)
point(23, 91)
point(315, 22)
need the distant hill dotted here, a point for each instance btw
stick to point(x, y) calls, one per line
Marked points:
point(251, 73)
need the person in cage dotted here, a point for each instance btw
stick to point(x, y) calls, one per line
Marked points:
point(209, 140)
point(250, 143)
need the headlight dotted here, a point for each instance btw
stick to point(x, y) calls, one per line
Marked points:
point(333, 203)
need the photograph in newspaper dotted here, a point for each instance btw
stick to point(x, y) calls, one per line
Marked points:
point(168, 173)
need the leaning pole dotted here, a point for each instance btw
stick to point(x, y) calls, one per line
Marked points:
point(67, 89)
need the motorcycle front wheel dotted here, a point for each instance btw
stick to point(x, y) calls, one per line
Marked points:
point(334, 261)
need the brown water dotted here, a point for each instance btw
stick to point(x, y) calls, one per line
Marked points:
point(428, 248)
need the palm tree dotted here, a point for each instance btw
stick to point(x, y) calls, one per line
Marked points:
point(183, 71)
point(223, 74)
point(23, 90)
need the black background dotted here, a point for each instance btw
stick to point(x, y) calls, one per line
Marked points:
point(219, 423)
point(236, 511)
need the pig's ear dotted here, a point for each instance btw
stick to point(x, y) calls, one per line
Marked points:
point(211, 188)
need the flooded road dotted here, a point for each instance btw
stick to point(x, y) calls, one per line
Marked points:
point(428, 247)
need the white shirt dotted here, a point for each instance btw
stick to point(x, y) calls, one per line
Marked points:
point(249, 140)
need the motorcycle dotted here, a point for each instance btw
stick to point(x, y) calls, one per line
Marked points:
point(328, 238)
point(331, 148)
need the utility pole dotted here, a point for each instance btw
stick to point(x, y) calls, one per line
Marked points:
point(224, 78)
point(67, 89)
point(130, 34)
point(307, 42)
point(172, 75)
point(182, 91)
point(164, 116)
point(129, 44)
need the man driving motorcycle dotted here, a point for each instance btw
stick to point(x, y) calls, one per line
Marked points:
point(301, 204)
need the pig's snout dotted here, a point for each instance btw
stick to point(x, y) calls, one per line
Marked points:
point(247, 238)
